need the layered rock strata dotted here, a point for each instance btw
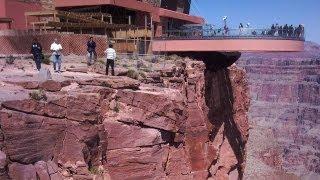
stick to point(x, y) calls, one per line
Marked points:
point(284, 114)
point(186, 122)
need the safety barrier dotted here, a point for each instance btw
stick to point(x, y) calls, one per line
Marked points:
point(241, 33)
point(13, 43)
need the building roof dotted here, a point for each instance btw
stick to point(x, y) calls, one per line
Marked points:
point(134, 5)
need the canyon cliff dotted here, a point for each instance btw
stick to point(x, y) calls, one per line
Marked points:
point(284, 114)
point(184, 120)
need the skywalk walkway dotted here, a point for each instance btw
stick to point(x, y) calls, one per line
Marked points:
point(225, 40)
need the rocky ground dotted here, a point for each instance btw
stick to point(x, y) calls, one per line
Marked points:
point(160, 118)
point(284, 114)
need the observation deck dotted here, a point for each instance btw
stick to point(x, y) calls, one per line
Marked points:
point(230, 40)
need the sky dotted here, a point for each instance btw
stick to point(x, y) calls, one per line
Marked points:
point(262, 13)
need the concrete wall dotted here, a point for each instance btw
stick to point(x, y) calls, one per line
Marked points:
point(15, 9)
point(3, 13)
point(2, 8)
point(182, 6)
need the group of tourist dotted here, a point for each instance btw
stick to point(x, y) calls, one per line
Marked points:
point(243, 29)
point(286, 30)
point(276, 30)
point(246, 30)
point(56, 57)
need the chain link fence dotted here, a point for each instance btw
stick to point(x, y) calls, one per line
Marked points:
point(19, 43)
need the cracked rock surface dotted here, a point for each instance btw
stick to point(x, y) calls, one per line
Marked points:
point(181, 122)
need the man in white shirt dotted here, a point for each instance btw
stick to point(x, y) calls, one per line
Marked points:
point(56, 55)
point(111, 56)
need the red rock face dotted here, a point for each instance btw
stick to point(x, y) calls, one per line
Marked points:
point(284, 88)
point(65, 131)
point(227, 113)
point(199, 134)
point(188, 122)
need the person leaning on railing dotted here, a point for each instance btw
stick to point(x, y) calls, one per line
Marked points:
point(298, 31)
point(273, 30)
point(285, 30)
point(280, 31)
point(240, 29)
point(225, 30)
point(290, 30)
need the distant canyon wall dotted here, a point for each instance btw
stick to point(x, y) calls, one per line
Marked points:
point(284, 114)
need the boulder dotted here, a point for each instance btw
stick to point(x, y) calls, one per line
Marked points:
point(83, 107)
point(26, 106)
point(121, 135)
point(50, 85)
point(151, 109)
point(137, 163)
point(30, 85)
point(78, 69)
point(44, 75)
point(22, 172)
point(52, 167)
point(40, 137)
point(83, 177)
point(3, 161)
point(42, 170)
point(178, 166)
point(113, 82)
point(56, 176)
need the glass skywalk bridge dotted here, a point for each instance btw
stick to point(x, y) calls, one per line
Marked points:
point(206, 38)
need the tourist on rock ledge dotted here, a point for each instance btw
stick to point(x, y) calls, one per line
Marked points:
point(56, 55)
point(36, 51)
point(111, 56)
point(91, 48)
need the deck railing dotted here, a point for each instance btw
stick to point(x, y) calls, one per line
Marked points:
point(243, 33)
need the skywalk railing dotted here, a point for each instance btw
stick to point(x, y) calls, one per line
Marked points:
point(243, 33)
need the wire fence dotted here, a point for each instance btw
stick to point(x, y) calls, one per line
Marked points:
point(20, 43)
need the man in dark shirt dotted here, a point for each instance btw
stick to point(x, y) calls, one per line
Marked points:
point(36, 51)
point(291, 30)
point(285, 30)
point(91, 48)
